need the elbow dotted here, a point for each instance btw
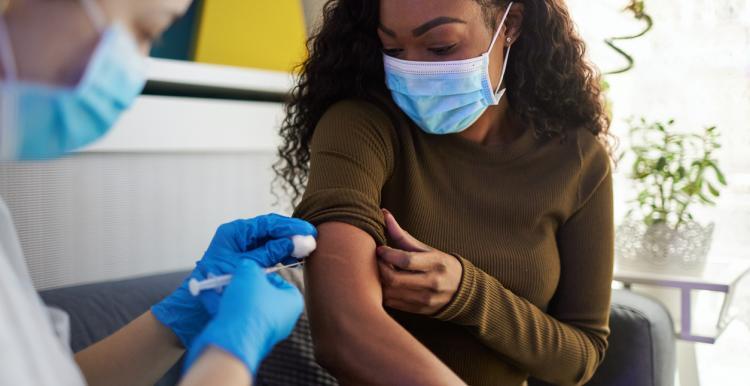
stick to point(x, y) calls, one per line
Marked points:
point(327, 353)
point(340, 343)
point(596, 350)
point(593, 349)
point(328, 349)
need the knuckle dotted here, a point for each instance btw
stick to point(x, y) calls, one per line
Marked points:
point(388, 279)
point(434, 284)
point(406, 259)
point(224, 227)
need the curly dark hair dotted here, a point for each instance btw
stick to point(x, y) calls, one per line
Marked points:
point(551, 86)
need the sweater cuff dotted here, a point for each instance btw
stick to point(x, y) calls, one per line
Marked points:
point(465, 293)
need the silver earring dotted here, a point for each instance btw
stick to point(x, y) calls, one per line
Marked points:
point(508, 40)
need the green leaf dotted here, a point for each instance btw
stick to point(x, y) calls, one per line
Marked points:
point(661, 163)
point(705, 199)
point(713, 190)
point(689, 189)
point(719, 175)
point(681, 172)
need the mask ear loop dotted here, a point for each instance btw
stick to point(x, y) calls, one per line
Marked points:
point(95, 12)
point(502, 75)
point(507, 52)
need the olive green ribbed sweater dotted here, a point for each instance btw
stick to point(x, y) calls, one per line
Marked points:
point(531, 220)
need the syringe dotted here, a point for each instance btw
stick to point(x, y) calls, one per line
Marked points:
point(303, 247)
point(196, 286)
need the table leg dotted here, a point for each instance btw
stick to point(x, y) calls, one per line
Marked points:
point(686, 313)
point(687, 364)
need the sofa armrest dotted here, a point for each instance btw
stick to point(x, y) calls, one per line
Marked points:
point(98, 310)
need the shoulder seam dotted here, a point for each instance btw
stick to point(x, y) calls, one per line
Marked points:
point(393, 137)
point(368, 108)
point(579, 192)
point(579, 200)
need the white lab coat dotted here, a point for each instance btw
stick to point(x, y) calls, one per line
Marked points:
point(31, 353)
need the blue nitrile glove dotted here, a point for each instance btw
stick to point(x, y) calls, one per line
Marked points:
point(255, 312)
point(183, 313)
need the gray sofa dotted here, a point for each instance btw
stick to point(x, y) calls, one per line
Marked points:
point(641, 352)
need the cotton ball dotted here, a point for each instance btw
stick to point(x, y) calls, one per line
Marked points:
point(303, 246)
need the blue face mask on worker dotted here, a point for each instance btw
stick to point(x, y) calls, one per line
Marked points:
point(40, 121)
point(445, 97)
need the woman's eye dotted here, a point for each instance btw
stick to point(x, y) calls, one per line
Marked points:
point(445, 50)
point(392, 51)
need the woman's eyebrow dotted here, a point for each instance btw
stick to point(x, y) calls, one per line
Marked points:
point(386, 30)
point(422, 29)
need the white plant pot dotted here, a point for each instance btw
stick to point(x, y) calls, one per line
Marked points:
point(660, 248)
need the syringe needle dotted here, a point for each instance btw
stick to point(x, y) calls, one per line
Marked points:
point(196, 286)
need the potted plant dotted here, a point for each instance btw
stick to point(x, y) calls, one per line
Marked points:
point(673, 173)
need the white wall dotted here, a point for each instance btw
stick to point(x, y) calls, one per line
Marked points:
point(102, 216)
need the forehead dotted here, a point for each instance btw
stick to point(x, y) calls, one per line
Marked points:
point(158, 5)
point(155, 15)
point(407, 14)
point(177, 7)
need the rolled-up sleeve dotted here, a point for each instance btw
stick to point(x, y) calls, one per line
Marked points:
point(351, 158)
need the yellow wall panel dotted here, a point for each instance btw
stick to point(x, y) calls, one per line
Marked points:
point(268, 34)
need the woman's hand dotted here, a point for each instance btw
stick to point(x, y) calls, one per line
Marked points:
point(415, 277)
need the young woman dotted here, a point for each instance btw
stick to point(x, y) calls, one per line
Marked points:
point(479, 126)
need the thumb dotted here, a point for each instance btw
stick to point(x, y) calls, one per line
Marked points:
point(245, 277)
point(402, 239)
point(272, 252)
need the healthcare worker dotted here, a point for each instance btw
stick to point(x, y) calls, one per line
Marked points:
point(68, 69)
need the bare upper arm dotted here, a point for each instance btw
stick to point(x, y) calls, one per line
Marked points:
point(343, 267)
point(354, 337)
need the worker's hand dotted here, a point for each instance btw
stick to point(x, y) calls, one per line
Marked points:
point(256, 311)
point(265, 239)
point(415, 277)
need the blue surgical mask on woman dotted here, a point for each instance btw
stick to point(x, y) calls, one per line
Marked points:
point(40, 121)
point(445, 97)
